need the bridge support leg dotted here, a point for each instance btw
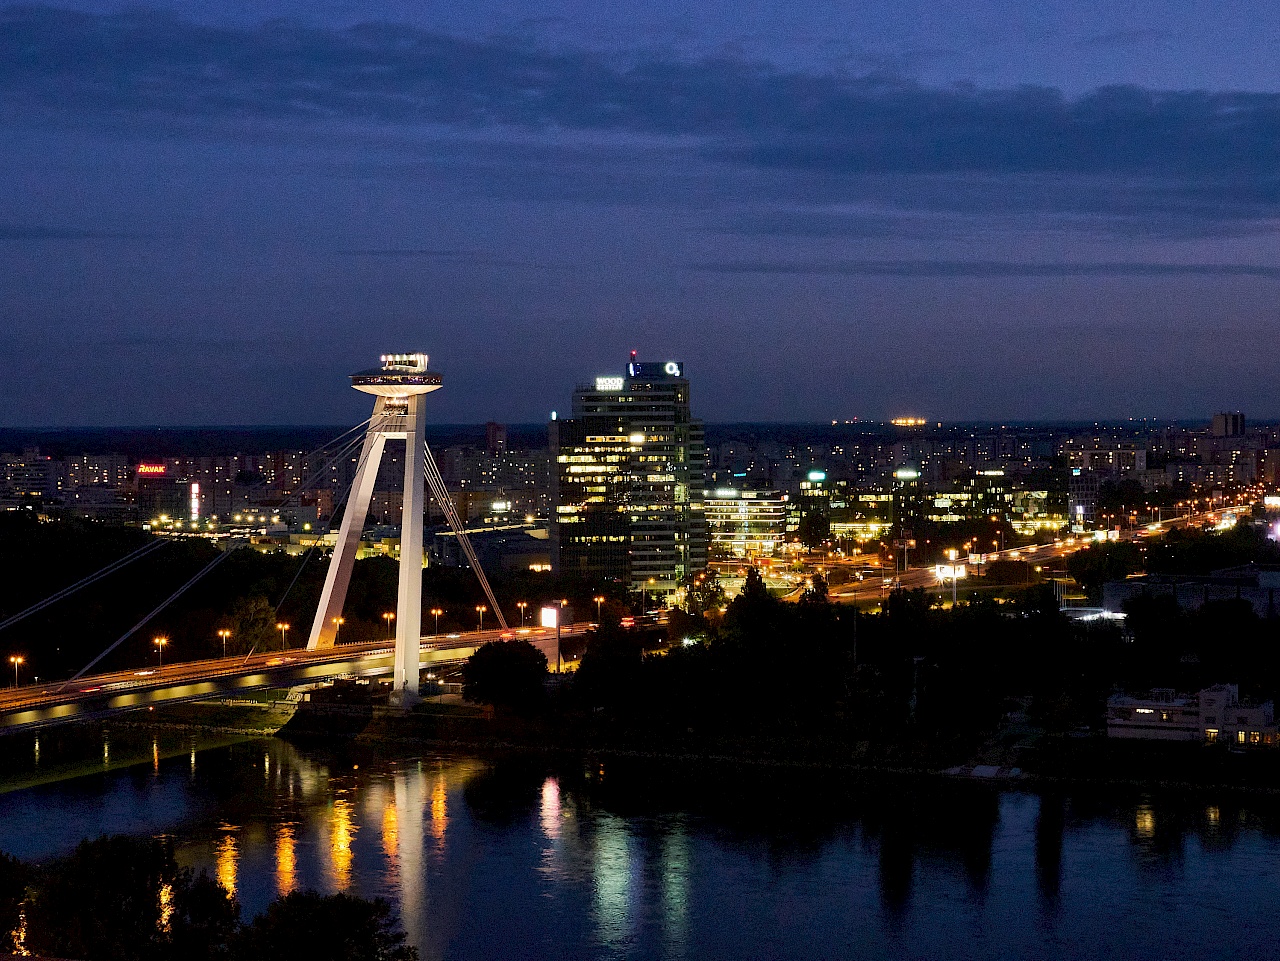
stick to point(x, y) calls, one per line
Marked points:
point(323, 628)
point(409, 602)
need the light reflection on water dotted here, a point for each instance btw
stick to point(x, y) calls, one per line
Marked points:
point(226, 860)
point(507, 860)
point(286, 859)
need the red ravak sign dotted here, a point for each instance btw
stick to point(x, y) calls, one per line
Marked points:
point(152, 469)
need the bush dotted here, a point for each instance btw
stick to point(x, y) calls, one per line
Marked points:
point(507, 674)
point(13, 889)
point(307, 926)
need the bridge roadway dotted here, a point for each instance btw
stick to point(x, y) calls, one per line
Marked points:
point(97, 696)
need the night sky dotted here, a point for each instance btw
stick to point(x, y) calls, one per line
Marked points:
point(981, 209)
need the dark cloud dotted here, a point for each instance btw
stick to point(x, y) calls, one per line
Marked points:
point(59, 62)
point(468, 256)
point(21, 232)
point(984, 268)
point(427, 254)
point(1138, 36)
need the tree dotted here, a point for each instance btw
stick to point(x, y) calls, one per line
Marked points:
point(1096, 565)
point(307, 926)
point(815, 527)
point(205, 919)
point(13, 890)
point(509, 674)
point(103, 902)
point(816, 592)
point(253, 625)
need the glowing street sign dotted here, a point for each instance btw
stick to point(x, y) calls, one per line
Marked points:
point(609, 383)
point(152, 469)
point(550, 616)
point(817, 476)
point(946, 572)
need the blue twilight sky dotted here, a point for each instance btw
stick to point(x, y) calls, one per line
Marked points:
point(983, 209)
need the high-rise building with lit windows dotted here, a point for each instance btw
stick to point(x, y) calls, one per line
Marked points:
point(629, 477)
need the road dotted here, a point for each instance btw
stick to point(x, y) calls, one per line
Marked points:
point(100, 695)
point(875, 588)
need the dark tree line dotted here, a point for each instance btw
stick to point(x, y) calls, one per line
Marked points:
point(125, 899)
point(915, 675)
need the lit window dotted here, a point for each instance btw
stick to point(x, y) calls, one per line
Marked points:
point(1211, 734)
point(1239, 737)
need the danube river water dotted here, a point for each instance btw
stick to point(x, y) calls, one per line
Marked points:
point(521, 858)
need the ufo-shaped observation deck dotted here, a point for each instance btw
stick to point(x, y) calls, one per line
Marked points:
point(399, 376)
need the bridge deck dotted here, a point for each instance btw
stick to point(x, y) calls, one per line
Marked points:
point(101, 695)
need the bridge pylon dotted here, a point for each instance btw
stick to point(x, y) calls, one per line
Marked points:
point(400, 386)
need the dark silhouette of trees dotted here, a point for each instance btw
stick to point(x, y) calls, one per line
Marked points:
point(13, 889)
point(125, 899)
point(104, 902)
point(507, 674)
point(1094, 566)
point(815, 527)
point(307, 926)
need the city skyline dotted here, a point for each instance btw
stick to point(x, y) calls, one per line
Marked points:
point(995, 212)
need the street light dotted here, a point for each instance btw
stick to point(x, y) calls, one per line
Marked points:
point(436, 612)
point(389, 616)
point(17, 660)
point(522, 605)
point(480, 609)
point(224, 634)
point(600, 600)
point(283, 628)
point(160, 642)
point(337, 627)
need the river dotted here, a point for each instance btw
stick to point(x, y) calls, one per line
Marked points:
point(529, 858)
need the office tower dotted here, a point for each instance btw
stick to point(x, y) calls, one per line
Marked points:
point(629, 476)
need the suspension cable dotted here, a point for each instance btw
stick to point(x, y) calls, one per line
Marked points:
point(84, 582)
point(158, 542)
point(142, 623)
point(441, 493)
point(346, 495)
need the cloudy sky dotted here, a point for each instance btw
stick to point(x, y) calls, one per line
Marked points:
point(995, 209)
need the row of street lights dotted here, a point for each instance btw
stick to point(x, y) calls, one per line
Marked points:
point(284, 627)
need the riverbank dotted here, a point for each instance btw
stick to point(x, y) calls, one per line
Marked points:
point(1037, 762)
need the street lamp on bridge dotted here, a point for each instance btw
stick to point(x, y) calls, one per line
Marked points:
point(599, 600)
point(224, 634)
point(389, 616)
point(337, 628)
point(160, 642)
point(283, 628)
point(480, 609)
point(522, 605)
point(436, 612)
point(17, 660)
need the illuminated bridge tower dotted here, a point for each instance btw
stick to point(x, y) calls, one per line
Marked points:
point(400, 386)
